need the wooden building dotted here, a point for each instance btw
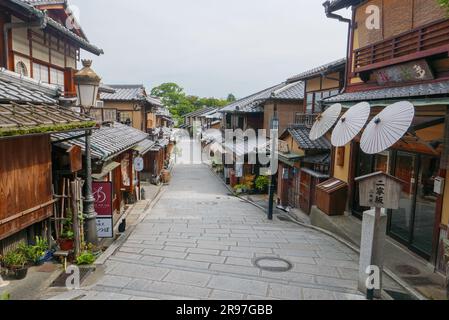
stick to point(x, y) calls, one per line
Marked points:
point(36, 42)
point(405, 58)
point(28, 115)
point(132, 105)
point(114, 148)
point(303, 164)
point(255, 112)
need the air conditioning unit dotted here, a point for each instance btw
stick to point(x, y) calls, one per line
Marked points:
point(100, 104)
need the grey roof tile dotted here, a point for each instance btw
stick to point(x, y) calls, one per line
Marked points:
point(135, 92)
point(254, 102)
point(328, 67)
point(107, 142)
point(301, 135)
point(28, 6)
point(14, 87)
point(418, 90)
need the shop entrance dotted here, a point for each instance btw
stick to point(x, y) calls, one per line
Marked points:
point(413, 224)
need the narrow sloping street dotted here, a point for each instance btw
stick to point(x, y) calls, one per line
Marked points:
point(199, 242)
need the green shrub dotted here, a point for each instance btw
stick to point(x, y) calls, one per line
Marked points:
point(262, 183)
point(14, 260)
point(5, 296)
point(85, 258)
point(241, 188)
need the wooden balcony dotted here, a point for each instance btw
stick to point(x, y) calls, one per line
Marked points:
point(306, 119)
point(419, 43)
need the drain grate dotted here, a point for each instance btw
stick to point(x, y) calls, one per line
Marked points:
point(273, 264)
point(396, 295)
point(60, 281)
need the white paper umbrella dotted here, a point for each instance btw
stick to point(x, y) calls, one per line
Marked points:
point(350, 124)
point(325, 121)
point(388, 127)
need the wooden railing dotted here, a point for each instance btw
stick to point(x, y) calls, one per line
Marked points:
point(306, 119)
point(418, 43)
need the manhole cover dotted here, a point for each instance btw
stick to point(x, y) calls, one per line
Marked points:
point(61, 280)
point(273, 264)
point(408, 270)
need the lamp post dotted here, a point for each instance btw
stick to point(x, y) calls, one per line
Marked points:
point(87, 83)
point(273, 135)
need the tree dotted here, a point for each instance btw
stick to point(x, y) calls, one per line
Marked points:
point(231, 98)
point(180, 104)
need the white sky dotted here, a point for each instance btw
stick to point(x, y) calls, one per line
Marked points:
point(209, 47)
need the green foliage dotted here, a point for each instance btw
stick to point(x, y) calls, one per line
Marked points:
point(85, 258)
point(444, 4)
point(5, 296)
point(180, 104)
point(241, 188)
point(262, 182)
point(68, 235)
point(9, 132)
point(14, 260)
point(34, 253)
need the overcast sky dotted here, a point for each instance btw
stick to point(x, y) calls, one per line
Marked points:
point(209, 47)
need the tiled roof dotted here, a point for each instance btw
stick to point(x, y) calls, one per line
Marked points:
point(50, 23)
point(14, 87)
point(144, 146)
point(24, 119)
point(200, 112)
point(335, 5)
point(155, 101)
point(323, 158)
point(326, 68)
point(107, 142)
point(44, 2)
point(125, 93)
point(418, 90)
point(254, 102)
point(301, 135)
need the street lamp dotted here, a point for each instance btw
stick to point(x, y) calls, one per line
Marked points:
point(273, 135)
point(87, 83)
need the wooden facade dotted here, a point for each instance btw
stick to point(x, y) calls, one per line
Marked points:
point(409, 48)
point(26, 195)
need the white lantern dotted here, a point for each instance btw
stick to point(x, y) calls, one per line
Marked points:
point(87, 83)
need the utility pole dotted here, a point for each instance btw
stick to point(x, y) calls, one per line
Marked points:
point(273, 136)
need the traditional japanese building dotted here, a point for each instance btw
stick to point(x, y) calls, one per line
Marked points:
point(38, 43)
point(29, 113)
point(399, 52)
point(132, 106)
point(115, 146)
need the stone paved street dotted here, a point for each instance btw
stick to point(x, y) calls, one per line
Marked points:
point(199, 242)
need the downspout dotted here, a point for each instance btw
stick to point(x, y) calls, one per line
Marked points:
point(41, 23)
point(332, 15)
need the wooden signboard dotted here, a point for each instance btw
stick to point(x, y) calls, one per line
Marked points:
point(75, 159)
point(413, 71)
point(380, 190)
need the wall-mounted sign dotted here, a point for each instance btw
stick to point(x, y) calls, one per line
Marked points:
point(138, 164)
point(283, 146)
point(102, 192)
point(105, 228)
point(239, 170)
point(75, 159)
point(412, 71)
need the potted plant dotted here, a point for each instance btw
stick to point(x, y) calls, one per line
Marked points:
point(16, 263)
point(240, 188)
point(85, 258)
point(262, 183)
point(66, 241)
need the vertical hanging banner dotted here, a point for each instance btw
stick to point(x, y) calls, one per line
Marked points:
point(102, 192)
